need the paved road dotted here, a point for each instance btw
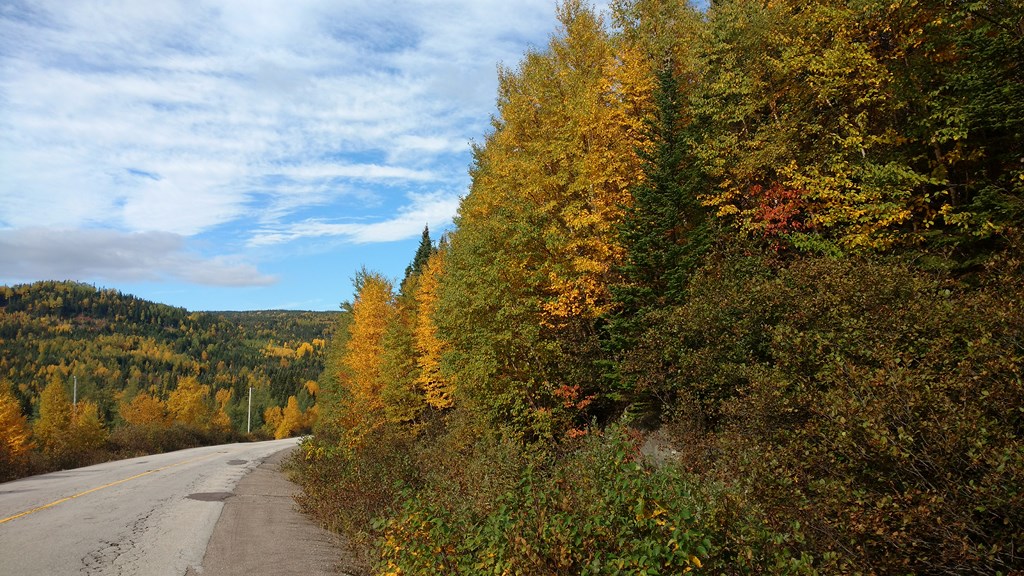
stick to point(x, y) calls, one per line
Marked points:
point(149, 516)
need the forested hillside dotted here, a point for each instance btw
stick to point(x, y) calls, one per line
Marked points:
point(785, 235)
point(148, 376)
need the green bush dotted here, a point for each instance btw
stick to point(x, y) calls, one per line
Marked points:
point(346, 488)
point(830, 417)
point(599, 511)
point(869, 412)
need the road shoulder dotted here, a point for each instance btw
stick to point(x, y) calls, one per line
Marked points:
point(261, 531)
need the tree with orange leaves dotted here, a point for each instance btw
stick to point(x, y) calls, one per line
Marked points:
point(528, 272)
point(15, 436)
point(292, 420)
point(144, 410)
point(221, 419)
point(363, 357)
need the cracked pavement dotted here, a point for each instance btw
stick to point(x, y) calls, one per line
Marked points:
point(149, 516)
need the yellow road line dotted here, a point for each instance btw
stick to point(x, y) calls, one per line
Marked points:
point(115, 483)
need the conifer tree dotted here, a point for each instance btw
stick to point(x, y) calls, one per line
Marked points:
point(665, 235)
point(664, 231)
point(423, 252)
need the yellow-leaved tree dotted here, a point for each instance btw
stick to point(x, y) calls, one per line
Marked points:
point(292, 420)
point(528, 273)
point(363, 358)
point(221, 420)
point(272, 418)
point(428, 344)
point(52, 428)
point(67, 434)
point(312, 413)
point(189, 403)
point(87, 429)
point(144, 410)
point(15, 436)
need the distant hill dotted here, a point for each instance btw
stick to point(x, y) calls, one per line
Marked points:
point(116, 345)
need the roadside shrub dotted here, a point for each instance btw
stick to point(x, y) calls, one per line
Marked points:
point(599, 511)
point(830, 417)
point(347, 485)
point(868, 412)
point(141, 439)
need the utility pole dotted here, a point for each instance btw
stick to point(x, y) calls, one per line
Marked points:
point(248, 419)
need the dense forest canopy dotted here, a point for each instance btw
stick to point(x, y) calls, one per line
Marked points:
point(785, 235)
point(139, 364)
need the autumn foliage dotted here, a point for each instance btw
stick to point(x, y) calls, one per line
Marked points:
point(742, 283)
point(67, 433)
point(15, 436)
point(149, 377)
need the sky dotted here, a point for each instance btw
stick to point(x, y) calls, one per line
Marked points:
point(242, 154)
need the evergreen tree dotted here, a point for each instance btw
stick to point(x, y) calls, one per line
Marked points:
point(423, 253)
point(665, 234)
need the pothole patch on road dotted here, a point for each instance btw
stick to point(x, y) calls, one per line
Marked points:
point(210, 496)
point(237, 462)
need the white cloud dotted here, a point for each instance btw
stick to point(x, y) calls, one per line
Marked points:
point(434, 210)
point(114, 86)
point(355, 172)
point(250, 122)
point(47, 253)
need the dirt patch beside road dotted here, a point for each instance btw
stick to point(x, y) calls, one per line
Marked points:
point(261, 531)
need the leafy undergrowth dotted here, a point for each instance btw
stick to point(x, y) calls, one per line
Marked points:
point(830, 417)
point(600, 511)
point(788, 232)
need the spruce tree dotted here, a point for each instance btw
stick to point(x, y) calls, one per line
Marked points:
point(423, 253)
point(664, 232)
point(665, 235)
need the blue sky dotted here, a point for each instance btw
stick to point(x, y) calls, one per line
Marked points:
point(241, 154)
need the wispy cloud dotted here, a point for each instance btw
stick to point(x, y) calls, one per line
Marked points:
point(426, 209)
point(204, 93)
point(370, 172)
point(250, 123)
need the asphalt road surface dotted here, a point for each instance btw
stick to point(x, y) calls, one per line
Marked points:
point(149, 516)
